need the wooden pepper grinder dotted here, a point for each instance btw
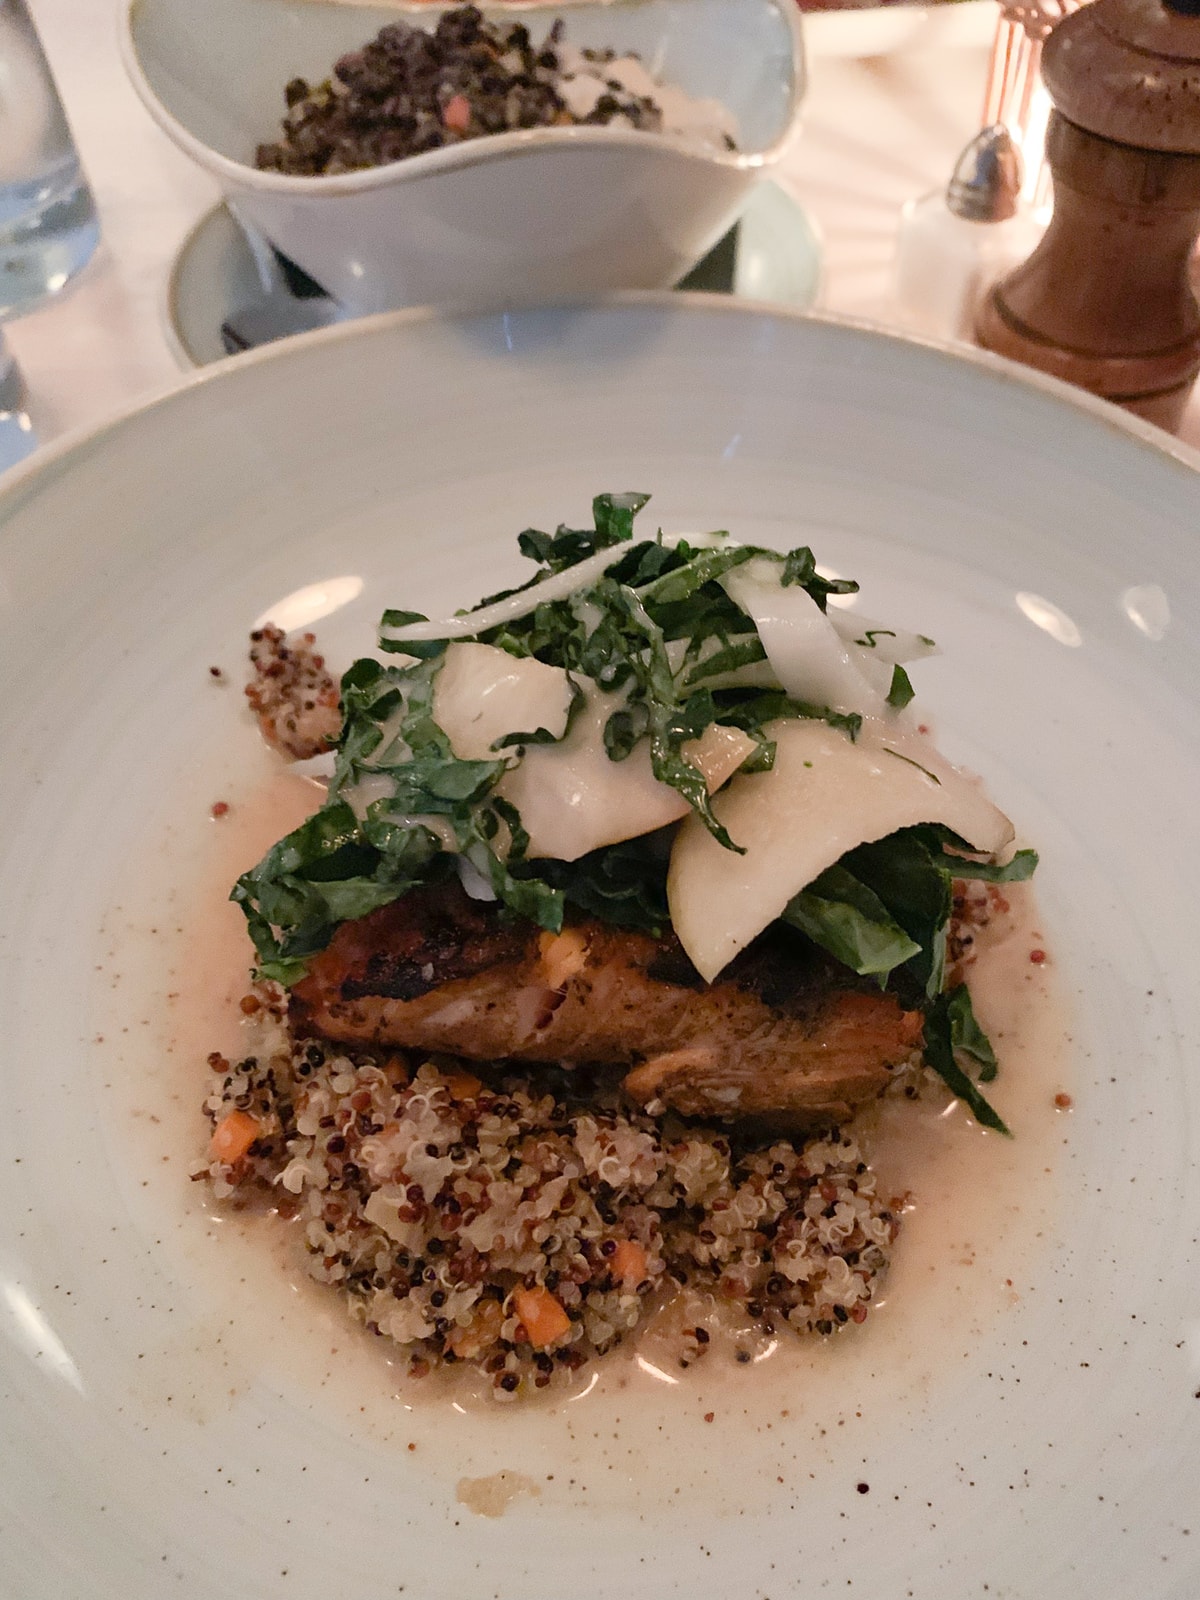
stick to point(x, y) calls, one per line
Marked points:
point(1105, 300)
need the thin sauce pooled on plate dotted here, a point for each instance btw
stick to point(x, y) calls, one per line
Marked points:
point(632, 1427)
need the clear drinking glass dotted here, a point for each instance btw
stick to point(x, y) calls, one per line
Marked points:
point(48, 225)
point(12, 390)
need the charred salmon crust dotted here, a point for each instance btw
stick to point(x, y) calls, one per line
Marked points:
point(783, 1032)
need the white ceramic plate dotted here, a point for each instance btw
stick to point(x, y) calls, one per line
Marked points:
point(175, 1421)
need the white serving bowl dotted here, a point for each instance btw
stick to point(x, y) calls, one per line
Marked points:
point(540, 214)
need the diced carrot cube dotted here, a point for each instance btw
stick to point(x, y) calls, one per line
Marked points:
point(543, 1315)
point(462, 1085)
point(456, 113)
point(628, 1262)
point(232, 1137)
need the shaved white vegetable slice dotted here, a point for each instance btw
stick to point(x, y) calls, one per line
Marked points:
point(806, 653)
point(473, 881)
point(824, 795)
point(482, 694)
point(317, 769)
point(757, 675)
point(572, 798)
point(894, 646)
point(557, 586)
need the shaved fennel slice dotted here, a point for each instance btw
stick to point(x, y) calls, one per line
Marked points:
point(755, 675)
point(557, 586)
point(893, 646)
point(481, 695)
point(573, 799)
point(824, 795)
point(317, 769)
point(805, 651)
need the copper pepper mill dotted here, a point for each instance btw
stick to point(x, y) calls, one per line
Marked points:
point(1105, 300)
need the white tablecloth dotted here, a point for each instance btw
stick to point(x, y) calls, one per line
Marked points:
point(877, 131)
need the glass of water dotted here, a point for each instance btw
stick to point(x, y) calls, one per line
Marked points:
point(48, 225)
point(12, 389)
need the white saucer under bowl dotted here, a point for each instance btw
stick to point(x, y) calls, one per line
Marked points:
point(778, 260)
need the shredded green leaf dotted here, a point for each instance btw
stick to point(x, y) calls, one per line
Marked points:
point(331, 869)
point(426, 650)
point(624, 884)
point(901, 691)
point(951, 1031)
point(851, 922)
point(800, 567)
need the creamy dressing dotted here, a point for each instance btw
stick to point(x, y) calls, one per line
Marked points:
point(637, 1430)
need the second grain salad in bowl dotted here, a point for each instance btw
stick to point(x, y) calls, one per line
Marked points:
point(455, 157)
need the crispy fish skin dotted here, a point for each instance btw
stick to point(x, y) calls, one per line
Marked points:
point(784, 1032)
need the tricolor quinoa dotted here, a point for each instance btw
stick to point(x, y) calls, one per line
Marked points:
point(526, 1226)
point(292, 693)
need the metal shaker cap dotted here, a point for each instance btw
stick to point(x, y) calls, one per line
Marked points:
point(987, 177)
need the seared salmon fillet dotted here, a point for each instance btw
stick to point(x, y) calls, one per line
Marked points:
point(783, 1032)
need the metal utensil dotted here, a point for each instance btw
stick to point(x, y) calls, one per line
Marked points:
point(264, 321)
point(986, 183)
point(1014, 93)
point(290, 302)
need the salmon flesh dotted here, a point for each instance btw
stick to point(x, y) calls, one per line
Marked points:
point(784, 1032)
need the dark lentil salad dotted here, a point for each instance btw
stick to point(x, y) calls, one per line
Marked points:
point(411, 90)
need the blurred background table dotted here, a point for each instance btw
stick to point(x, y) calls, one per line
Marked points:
point(877, 131)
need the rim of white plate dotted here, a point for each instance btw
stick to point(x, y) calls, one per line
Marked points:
point(19, 480)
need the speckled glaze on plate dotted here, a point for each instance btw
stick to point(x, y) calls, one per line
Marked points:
point(175, 1420)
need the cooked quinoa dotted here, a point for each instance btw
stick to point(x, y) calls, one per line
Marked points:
point(292, 693)
point(511, 1226)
